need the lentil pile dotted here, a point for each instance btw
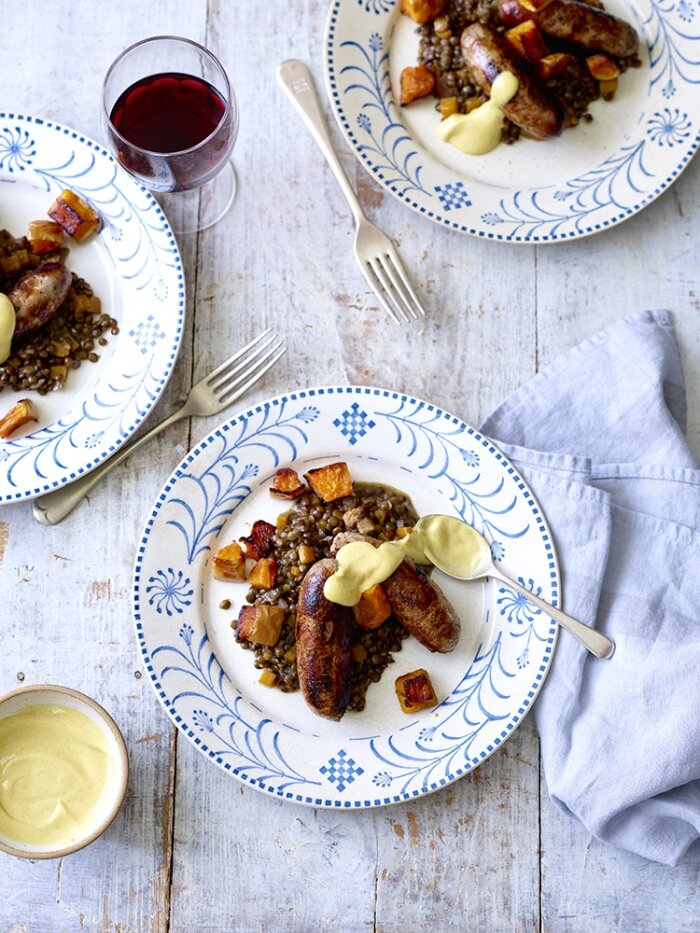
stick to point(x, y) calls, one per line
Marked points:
point(304, 535)
point(440, 52)
point(43, 360)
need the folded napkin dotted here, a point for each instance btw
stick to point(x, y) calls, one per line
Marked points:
point(600, 437)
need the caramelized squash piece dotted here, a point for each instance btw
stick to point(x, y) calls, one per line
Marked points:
point(534, 6)
point(602, 68)
point(45, 236)
point(422, 10)
point(261, 624)
point(330, 482)
point(416, 82)
point(18, 415)
point(551, 66)
point(259, 543)
point(287, 484)
point(415, 691)
point(229, 563)
point(526, 39)
point(75, 216)
point(263, 573)
point(372, 609)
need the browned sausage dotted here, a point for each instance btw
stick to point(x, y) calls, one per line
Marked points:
point(323, 632)
point(38, 295)
point(487, 54)
point(587, 26)
point(422, 607)
point(415, 600)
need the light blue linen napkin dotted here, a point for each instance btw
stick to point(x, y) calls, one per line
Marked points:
point(600, 437)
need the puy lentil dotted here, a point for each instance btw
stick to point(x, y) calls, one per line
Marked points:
point(314, 524)
point(43, 360)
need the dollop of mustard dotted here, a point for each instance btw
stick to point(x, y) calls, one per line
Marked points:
point(481, 130)
point(440, 539)
point(56, 773)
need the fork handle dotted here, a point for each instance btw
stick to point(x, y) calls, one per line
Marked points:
point(55, 506)
point(297, 83)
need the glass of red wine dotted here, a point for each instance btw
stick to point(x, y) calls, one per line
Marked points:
point(171, 119)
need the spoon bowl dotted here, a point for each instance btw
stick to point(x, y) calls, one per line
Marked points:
point(468, 557)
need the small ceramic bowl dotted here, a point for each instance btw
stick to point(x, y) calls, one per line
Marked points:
point(52, 695)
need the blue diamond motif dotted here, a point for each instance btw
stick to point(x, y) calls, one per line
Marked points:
point(453, 196)
point(146, 334)
point(354, 423)
point(341, 770)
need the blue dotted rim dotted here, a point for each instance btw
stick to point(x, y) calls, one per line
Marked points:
point(325, 802)
point(177, 267)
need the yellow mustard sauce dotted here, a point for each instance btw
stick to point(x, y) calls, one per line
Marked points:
point(436, 538)
point(8, 319)
point(480, 131)
point(55, 772)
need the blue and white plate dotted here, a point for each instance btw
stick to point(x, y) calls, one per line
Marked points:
point(590, 178)
point(208, 684)
point(134, 266)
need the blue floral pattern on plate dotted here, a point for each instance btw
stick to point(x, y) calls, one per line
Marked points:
point(208, 684)
point(591, 178)
point(134, 265)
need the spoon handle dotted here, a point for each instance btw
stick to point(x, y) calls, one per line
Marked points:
point(596, 643)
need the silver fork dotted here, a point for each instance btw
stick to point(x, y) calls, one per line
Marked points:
point(374, 251)
point(208, 397)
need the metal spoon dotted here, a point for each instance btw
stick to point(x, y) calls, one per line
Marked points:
point(478, 563)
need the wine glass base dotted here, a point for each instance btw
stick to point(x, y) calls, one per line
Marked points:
point(200, 208)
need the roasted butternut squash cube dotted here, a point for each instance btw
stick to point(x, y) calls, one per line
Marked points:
point(602, 68)
point(551, 66)
point(261, 624)
point(422, 10)
point(415, 691)
point(74, 215)
point(229, 563)
point(534, 6)
point(330, 482)
point(372, 609)
point(512, 12)
point(259, 542)
point(447, 106)
point(526, 40)
point(45, 236)
point(608, 89)
point(263, 574)
point(416, 82)
point(18, 415)
point(287, 484)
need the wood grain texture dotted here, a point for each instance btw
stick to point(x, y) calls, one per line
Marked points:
point(193, 851)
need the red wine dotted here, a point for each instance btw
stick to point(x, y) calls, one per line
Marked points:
point(167, 113)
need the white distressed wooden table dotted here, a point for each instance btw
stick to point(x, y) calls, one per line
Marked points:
point(193, 850)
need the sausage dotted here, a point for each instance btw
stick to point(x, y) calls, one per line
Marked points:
point(38, 295)
point(487, 54)
point(589, 27)
point(422, 607)
point(415, 600)
point(323, 631)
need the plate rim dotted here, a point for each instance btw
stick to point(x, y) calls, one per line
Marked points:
point(179, 307)
point(138, 600)
point(331, 86)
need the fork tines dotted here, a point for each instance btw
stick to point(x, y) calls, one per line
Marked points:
point(392, 287)
point(244, 368)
